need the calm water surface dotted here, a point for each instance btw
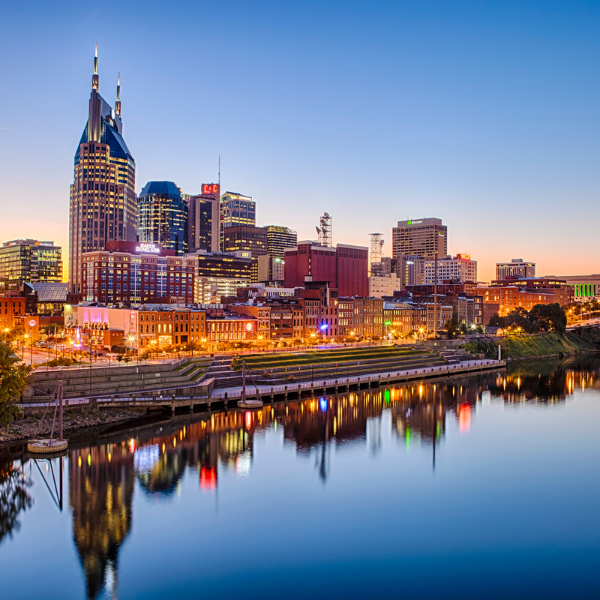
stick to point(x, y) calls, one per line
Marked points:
point(483, 487)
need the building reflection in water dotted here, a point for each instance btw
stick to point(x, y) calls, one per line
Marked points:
point(546, 381)
point(102, 477)
point(101, 482)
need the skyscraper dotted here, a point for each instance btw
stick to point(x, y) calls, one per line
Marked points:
point(103, 201)
point(279, 238)
point(421, 237)
point(204, 219)
point(236, 209)
point(163, 216)
point(29, 261)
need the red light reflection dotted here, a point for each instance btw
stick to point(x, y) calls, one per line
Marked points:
point(208, 478)
point(464, 418)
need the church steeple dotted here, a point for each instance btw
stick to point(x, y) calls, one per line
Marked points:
point(95, 77)
point(118, 101)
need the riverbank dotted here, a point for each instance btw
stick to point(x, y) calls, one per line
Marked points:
point(25, 428)
point(540, 345)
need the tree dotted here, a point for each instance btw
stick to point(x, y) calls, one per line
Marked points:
point(451, 326)
point(13, 380)
point(550, 316)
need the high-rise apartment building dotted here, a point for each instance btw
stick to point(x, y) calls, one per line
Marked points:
point(28, 261)
point(162, 216)
point(103, 201)
point(515, 268)
point(460, 268)
point(204, 219)
point(279, 238)
point(422, 237)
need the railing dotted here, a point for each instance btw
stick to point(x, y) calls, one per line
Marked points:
point(294, 387)
point(160, 398)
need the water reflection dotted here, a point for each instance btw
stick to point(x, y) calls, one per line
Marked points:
point(546, 381)
point(103, 475)
point(14, 496)
point(101, 481)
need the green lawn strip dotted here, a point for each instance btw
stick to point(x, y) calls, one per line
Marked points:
point(312, 357)
point(353, 372)
point(393, 363)
point(199, 374)
point(181, 367)
point(308, 363)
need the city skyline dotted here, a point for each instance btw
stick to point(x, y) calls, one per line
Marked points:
point(501, 172)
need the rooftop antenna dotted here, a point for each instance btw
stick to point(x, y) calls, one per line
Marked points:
point(325, 233)
point(376, 248)
point(118, 102)
point(95, 77)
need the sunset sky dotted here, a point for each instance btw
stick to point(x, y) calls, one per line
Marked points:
point(484, 114)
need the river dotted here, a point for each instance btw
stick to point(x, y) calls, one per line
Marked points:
point(480, 487)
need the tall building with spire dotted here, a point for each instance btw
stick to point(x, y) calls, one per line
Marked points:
point(103, 201)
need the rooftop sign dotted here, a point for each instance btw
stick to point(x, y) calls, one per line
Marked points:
point(148, 248)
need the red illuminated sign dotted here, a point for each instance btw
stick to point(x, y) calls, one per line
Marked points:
point(211, 189)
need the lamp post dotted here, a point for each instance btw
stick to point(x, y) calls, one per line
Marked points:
point(25, 336)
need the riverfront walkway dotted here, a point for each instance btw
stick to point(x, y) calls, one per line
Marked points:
point(208, 399)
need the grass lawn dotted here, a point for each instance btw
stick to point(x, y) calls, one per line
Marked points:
point(312, 357)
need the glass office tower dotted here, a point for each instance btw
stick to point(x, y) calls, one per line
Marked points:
point(162, 216)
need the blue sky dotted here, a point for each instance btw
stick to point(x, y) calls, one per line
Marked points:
point(482, 113)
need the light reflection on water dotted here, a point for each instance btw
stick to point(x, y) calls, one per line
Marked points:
point(213, 505)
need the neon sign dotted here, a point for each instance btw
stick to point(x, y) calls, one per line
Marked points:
point(210, 189)
point(152, 248)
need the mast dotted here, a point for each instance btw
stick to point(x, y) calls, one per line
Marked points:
point(435, 322)
point(118, 101)
point(244, 381)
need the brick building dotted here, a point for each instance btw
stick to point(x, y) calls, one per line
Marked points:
point(12, 310)
point(132, 273)
point(344, 267)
